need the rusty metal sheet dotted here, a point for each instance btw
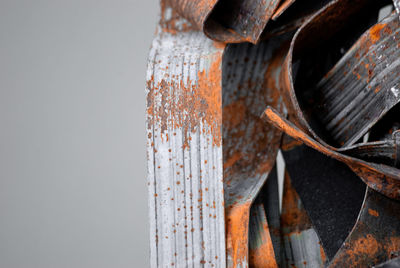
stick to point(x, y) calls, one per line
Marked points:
point(211, 157)
point(227, 21)
point(184, 147)
point(363, 86)
point(381, 177)
point(193, 83)
point(302, 247)
point(373, 234)
point(264, 226)
point(250, 77)
point(375, 237)
point(236, 21)
point(322, 183)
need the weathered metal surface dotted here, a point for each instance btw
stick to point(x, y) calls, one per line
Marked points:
point(363, 85)
point(227, 21)
point(261, 250)
point(393, 263)
point(237, 21)
point(375, 237)
point(212, 181)
point(250, 78)
point(184, 150)
point(322, 183)
point(302, 247)
point(264, 226)
point(383, 178)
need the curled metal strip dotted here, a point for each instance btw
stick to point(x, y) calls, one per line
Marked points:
point(382, 178)
point(363, 86)
point(227, 21)
point(250, 77)
point(334, 17)
point(210, 154)
point(237, 21)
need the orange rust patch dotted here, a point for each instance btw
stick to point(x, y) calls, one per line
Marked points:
point(373, 212)
point(357, 251)
point(263, 255)
point(375, 32)
point(322, 253)
point(219, 45)
point(237, 225)
point(293, 214)
point(234, 113)
point(392, 246)
point(232, 160)
point(187, 106)
point(366, 245)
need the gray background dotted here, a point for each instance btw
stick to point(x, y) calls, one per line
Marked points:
point(72, 137)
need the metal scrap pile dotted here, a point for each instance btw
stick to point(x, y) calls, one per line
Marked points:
point(229, 84)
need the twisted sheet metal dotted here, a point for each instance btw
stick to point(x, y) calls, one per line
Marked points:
point(380, 177)
point(250, 77)
point(187, 75)
point(227, 21)
point(364, 85)
point(210, 154)
point(236, 21)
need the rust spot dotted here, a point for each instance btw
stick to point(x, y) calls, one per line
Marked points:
point(237, 226)
point(373, 212)
point(375, 32)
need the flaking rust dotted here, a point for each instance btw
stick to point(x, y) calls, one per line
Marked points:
point(184, 147)
point(250, 78)
point(216, 69)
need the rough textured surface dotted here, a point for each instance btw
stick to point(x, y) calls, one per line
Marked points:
point(210, 153)
point(250, 78)
point(184, 149)
point(301, 245)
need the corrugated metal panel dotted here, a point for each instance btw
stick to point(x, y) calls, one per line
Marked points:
point(185, 149)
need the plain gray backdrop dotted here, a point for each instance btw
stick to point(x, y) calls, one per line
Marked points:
point(72, 141)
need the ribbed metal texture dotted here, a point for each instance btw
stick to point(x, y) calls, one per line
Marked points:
point(184, 150)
